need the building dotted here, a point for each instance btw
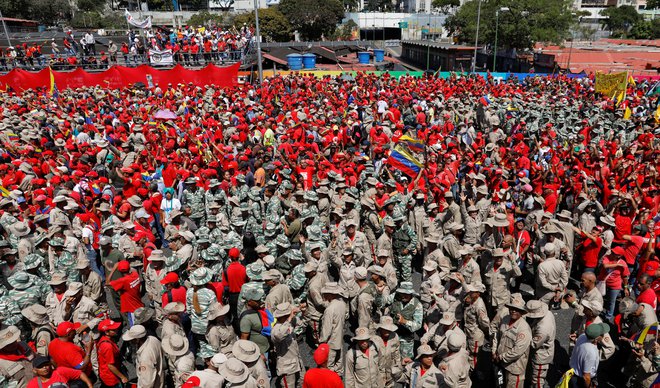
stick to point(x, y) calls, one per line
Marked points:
point(428, 55)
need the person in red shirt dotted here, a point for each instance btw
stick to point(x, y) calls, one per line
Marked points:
point(128, 287)
point(321, 376)
point(175, 292)
point(108, 355)
point(646, 293)
point(615, 273)
point(65, 353)
point(590, 248)
point(46, 375)
point(634, 245)
point(233, 278)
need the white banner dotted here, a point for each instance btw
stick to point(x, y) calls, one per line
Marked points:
point(161, 57)
point(146, 23)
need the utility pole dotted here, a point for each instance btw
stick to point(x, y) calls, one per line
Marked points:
point(476, 39)
point(258, 38)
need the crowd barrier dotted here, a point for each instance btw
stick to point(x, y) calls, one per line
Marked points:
point(120, 77)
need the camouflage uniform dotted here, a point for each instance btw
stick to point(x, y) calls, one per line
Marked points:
point(198, 319)
point(404, 238)
point(255, 285)
point(413, 313)
point(25, 292)
point(10, 313)
point(195, 199)
point(297, 283)
point(210, 197)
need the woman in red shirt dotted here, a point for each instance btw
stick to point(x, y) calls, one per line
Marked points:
point(128, 287)
point(590, 248)
point(108, 353)
point(615, 273)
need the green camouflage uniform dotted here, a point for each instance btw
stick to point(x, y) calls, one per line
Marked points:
point(413, 314)
point(404, 238)
point(67, 264)
point(297, 283)
point(196, 202)
point(211, 198)
point(10, 313)
point(25, 296)
point(255, 285)
point(205, 298)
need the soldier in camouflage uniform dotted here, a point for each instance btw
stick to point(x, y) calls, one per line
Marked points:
point(212, 256)
point(34, 266)
point(371, 224)
point(25, 291)
point(63, 260)
point(407, 312)
point(404, 242)
point(240, 190)
point(254, 272)
point(194, 197)
point(213, 195)
point(236, 234)
point(282, 245)
point(10, 313)
point(297, 280)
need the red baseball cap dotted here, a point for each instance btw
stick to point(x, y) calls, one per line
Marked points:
point(123, 266)
point(651, 267)
point(234, 253)
point(108, 324)
point(170, 278)
point(321, 354)
point(66, 327)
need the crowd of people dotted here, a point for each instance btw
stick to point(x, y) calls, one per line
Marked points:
point(361, 231)
point(190, 46)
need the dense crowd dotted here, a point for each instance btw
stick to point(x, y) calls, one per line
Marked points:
point(190, 46)
point(268, 223)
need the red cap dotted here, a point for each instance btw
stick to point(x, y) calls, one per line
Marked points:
point(321, 354)
point(192, 382)
point(651, 267)
point(66, 327)
point(618, 251)
point(234, 253)
point(123, 266)
point(170, 278)
point(41, 197)
point(108, 324)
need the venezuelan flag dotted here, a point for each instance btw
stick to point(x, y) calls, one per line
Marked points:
point(648, 330)
point(404, 161)
point(656, 383)
point(413, 144)
point(53, 87)
point(485, 100)
point(4, 192)
point(12, 136)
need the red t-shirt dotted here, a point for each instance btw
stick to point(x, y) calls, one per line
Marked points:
point(236, 274)
point(108, 353)
point(178, 295)
point(60, 375)
point(322, 378)
point(67, 354)
point(648, 296)
point(129, 292)
point(613, 276)
point(632, 247)
point(590, 252)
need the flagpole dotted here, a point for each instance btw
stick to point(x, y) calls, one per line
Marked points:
point(4, 25)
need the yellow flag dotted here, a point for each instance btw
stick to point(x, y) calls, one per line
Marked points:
point(620, 98)
point(627, 114)
point(611, 84)
point(656, 115)
point(631, 81)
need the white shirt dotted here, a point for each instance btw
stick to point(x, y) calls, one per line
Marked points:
point(167, 205)
point(585, 357)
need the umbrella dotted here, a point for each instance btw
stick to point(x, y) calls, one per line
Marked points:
point(165, 114)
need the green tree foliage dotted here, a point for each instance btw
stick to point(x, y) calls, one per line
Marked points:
point(313, 18)
point(652, 4)
point(90, 5)
point(345, 31)
point(48, 12)
point(273, 25)
point(378, 5)
point(445, 5)
point(94, 19)
point(526, 22)
point(205, 18)
point(620, 20)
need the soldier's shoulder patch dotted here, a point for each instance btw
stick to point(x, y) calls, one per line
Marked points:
point(536, 338)
point(42, 342)
point(142, 368)
point(520, 336)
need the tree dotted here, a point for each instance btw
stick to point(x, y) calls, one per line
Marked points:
point(445, 5)
point(652, 4)
point(526, 22)
point(273, 25)
point(620, 20)
point(313, 18)
point(641, 30)
point(90, 5)
point(205, 18)
point(47, 12)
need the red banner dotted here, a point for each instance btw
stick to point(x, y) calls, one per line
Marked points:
point(120, 77)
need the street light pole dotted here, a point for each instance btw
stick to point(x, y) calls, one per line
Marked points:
point(497, 28)
point(476, 39)
point(258, 37)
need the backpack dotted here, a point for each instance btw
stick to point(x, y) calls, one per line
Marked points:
point(267, 320)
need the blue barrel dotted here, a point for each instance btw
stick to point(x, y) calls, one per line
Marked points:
point(363, 57)
point(41, 28)
point(295, 61)
point(309, 61)
point(379, 55)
